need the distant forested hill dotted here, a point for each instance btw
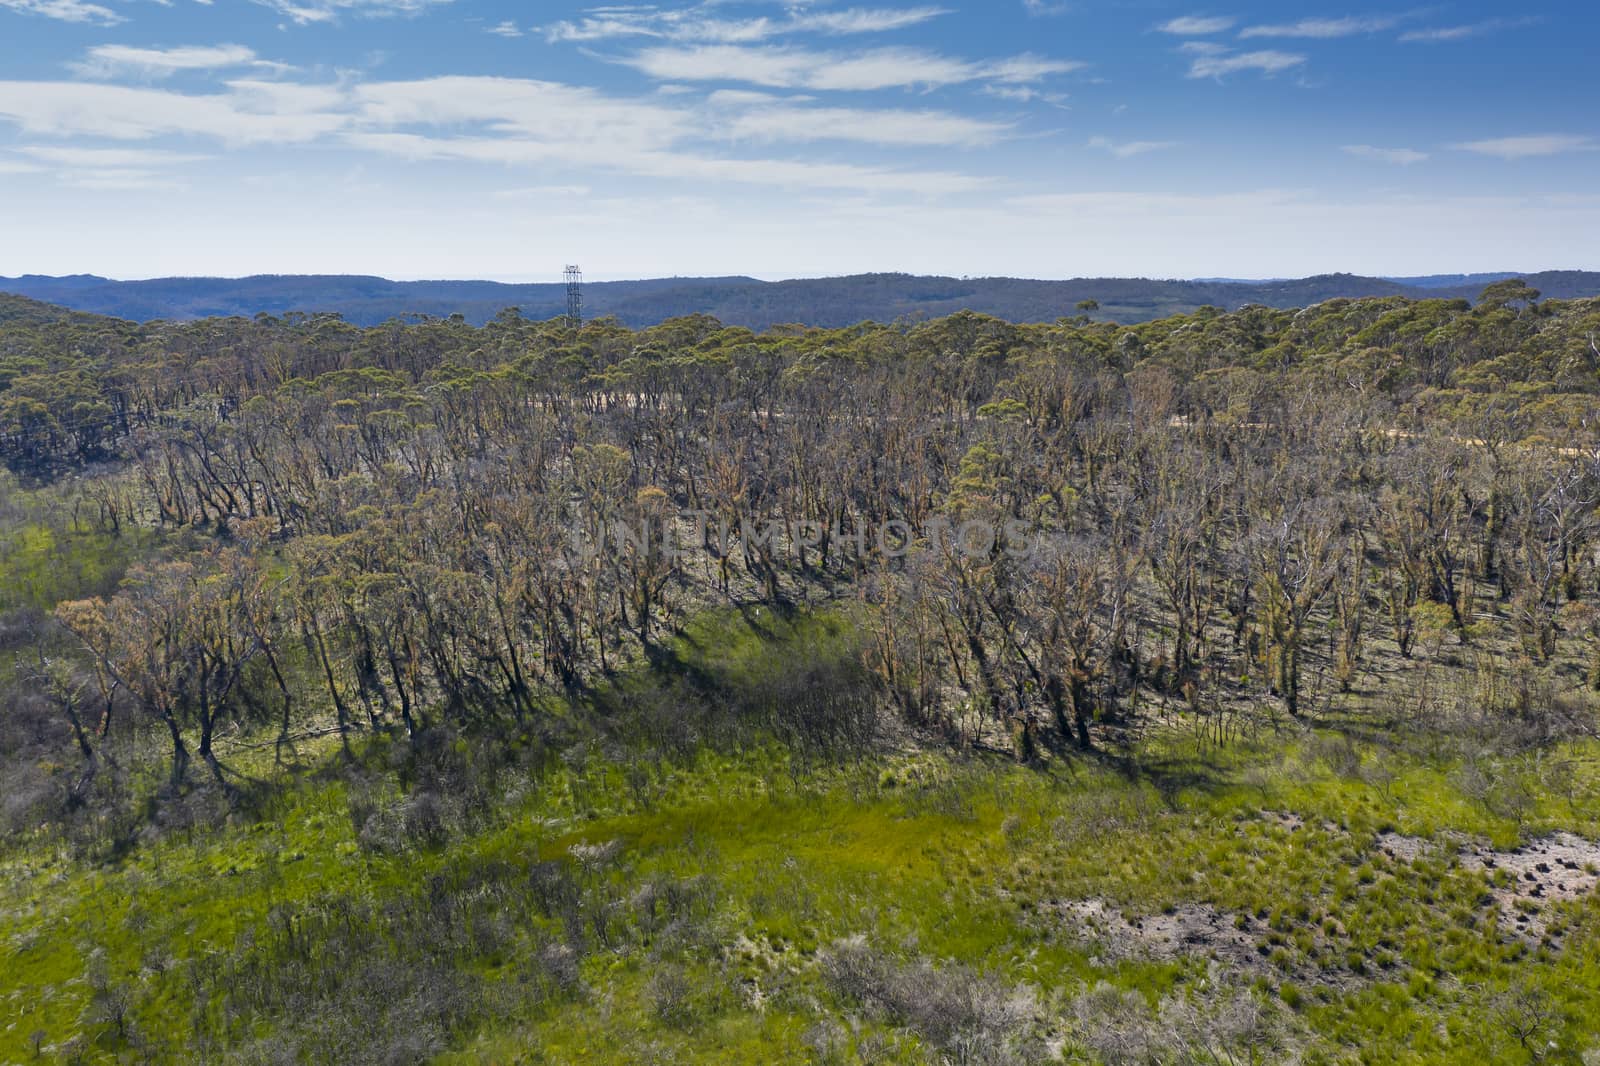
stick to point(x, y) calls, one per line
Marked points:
point(361, 300)
point(742, 301)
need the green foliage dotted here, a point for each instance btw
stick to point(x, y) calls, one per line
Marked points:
point(473, 791)
point(743, 907)
point(41, 566)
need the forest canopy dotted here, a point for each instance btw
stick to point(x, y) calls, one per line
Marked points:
point(245, 556)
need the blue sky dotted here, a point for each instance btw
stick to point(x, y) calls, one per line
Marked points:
point(1043, 138)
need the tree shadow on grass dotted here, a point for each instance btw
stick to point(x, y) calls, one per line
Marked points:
point(1170, 776)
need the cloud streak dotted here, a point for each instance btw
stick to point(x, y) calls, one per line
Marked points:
point(105, 169)
point(1129, 149)
point(248, 113)
point(109, 157)
point(64, 10)
point(1530, 146)
point(1197, 25)
point(1398, 156)
point(498, 121)
point(1219, 63)
point(779, 122)
point(1324, 28)
point(700, 24)
point(683, 166)
point(311, 12)
point(1448, 34)
point(781, 67)
point(113, 60)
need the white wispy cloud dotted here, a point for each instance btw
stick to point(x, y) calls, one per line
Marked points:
point(143, 158)
point(509, 119)
point(540, 119)
point(1198, 25)
point(865, 20)
point(662, 25)
point(1025, 94)
point(308, 12)
point(783, 122)
point(113, 60)
point(1530, 145)
point(107, 169)
point(548, 113)
point(248, 113)
point(689, 166)
point(1401, 156)
point(796, 68)
point(1024, 69)
point(118, 179)
point(64, 10)
point(1325, 28)
point(1446, 34)
point(1129, 149)
point(505, 29)
point(487, 120)
point(701, 24)
point(1218, 63)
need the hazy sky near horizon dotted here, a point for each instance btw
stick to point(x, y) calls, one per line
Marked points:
point(1042, 138)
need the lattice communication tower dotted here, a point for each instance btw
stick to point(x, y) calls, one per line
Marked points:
point(574, 297)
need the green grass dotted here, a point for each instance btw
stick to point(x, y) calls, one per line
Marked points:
point(715, 884)
point(47, 560)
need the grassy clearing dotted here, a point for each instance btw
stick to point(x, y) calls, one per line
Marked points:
point(739, 907)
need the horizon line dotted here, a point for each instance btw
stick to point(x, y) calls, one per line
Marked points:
point(606, 279)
